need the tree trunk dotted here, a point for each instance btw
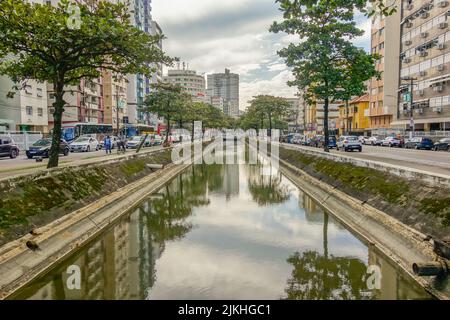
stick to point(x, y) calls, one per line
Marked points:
point(58, 88)
point(348, 117)
point(270, 125)
point(167, 131)
point(193, 131)
point(325, 125)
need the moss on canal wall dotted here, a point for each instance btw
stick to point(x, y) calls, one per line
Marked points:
point(413, 202)
point(35, 200)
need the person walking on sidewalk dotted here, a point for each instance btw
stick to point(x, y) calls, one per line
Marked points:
point(108, 145)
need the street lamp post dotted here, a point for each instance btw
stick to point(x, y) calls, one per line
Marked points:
point(411, 108)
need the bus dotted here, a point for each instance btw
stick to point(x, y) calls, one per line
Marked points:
point(73, 131)
point(132, 130)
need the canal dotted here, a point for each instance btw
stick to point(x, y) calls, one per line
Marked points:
point(226, 232)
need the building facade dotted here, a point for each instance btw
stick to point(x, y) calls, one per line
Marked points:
point(189, 81)
point(226, 86)
point(295, 118)
point(425, 66)
point(26, 110)
point(115, 100)
point(355, 119)
point(383, 96)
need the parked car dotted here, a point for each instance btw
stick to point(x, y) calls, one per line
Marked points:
point(134, 142)
point(8, 148)
point(41, 148)
point(154, 140)
point(373, 141)
point(442, 145)
point(420, 143)
point(349, 143)
point(361, 139)
point(84, 144)
point(332, 143)
point(114, 141)
point(391, 142)
point(297, 139)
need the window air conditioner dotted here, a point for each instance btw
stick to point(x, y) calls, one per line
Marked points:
point(421, 92)
point(424, 34)
point(442, 4)
point(441, 46)
point(410, 6)
point(443, 25)
point(407, 60)
point(438, 109)
point(440, 67)
point(408, 24)
point(408, 42)
point(424, 15)
point(423, 54)
point(422, 73)
point(439, 88)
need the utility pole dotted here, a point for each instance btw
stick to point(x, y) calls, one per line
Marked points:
point(411, 104)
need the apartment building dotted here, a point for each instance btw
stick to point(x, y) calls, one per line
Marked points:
point(295, 115)
point(115, 100)
point(315, 117)
point(189, 81)
point(26, 110)
point(383, 95)
point(226, 86)
point(425, 66)
point(84, 103)
point(355, 118)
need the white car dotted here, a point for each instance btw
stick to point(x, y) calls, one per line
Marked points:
point(134, 142)
point(153, 140)
point(84, 144)
point(349, 143)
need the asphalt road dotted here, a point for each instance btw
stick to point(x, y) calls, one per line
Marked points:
point(435, 162)
point(22, 165)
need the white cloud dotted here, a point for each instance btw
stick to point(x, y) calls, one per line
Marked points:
point(214, 35)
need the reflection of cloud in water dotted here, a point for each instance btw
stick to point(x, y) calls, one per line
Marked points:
point(216, 275)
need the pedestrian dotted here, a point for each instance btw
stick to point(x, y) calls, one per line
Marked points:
point(108, 145)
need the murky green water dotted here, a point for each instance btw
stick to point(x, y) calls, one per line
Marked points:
point(226, 232)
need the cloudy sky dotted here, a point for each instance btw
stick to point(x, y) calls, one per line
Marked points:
point(212, 35)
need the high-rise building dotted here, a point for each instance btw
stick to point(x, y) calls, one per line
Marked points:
point(138, 84)
point(189, 80)
point(383, 96)
point(115, 99)
point(226, 86)
point(295, 115)
point(425, 66)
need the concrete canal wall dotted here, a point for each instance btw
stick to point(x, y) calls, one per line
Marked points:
point(393, 213)
point(72, 205)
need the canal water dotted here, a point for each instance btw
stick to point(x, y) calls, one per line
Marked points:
point(226, 232)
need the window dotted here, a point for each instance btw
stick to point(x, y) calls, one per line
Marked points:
point(40, 112)
point(39, 92)
point(29, 111)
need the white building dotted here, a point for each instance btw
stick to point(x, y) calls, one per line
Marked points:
point(26, 110)
point(190, 81)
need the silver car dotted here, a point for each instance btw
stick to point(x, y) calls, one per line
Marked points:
point(349, 143)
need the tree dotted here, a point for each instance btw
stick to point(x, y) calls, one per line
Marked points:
point(166, 101)
point(270, 107)
point(49, 43)
point(326, 65)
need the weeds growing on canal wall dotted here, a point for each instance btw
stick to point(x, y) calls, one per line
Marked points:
point(413, 202)
point(38, 199)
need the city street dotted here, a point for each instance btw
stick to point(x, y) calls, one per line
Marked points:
point(23, 165)
point(436, 162)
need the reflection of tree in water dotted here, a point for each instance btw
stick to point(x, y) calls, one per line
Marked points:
point(266, 189)
point(321, 277)
point(166, 216)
